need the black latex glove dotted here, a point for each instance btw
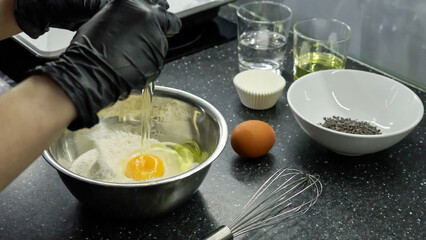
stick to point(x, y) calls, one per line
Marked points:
point(121, 48)
point(34, 17)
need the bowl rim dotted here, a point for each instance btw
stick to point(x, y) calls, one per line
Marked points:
point(382, 77)
point(181, 95)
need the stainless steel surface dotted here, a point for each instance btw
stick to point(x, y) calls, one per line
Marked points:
point(185, 8)
point(197, 119)
point(53, 43)
point(288, 193)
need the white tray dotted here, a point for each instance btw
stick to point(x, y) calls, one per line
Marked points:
point(53, 43)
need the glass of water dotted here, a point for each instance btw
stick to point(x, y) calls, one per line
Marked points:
point(263, 28)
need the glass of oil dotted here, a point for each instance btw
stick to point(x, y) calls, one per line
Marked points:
point(319, 44)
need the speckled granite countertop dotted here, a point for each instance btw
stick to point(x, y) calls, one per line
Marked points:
point(377, 196)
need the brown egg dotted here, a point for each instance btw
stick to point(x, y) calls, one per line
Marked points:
point(252, 138)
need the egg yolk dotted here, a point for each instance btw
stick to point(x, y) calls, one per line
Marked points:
point(144, 167)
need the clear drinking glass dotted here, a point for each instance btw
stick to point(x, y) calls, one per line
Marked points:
point(320, 44)
point(263, 28)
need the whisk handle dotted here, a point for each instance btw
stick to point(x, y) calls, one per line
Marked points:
point(222, 233)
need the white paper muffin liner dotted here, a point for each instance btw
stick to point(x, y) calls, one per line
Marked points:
point(259, 89)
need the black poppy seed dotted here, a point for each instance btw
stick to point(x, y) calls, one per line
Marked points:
point(348, 125)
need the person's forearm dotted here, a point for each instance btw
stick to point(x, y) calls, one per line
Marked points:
point(8, 26)
point(32, 115)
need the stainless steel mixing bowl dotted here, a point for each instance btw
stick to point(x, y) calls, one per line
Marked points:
point(176, 116)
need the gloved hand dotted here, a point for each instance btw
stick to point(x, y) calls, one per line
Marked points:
point(121, 48)
point(34, 17)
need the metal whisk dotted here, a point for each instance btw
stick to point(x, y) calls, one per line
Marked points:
point(288, 193)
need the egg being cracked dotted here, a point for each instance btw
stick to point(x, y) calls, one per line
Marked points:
point(117, 157)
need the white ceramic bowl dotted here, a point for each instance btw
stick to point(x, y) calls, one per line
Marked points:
point(389, 105)
point(259, 89)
